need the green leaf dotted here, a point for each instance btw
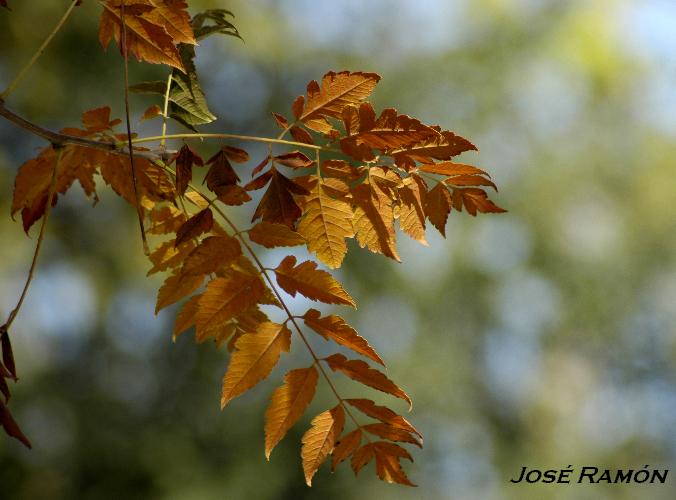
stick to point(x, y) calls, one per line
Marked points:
point(214, 21)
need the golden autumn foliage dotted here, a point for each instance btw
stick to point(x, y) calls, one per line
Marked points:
point(360, 175)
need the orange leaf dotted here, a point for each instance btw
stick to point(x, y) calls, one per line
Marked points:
point(361, 372)
point(374, 220)
point(320, 439)
point(174, 288)
point(200, 223)
point(212, 254)
point(443, 146)
point(334, 327)
point(153, 28)
point(451, 168)
point(169, 255)
point(345, 447)
point(278, 204)
point(287, 404)
point(438, 206)
point(337, 91)
point(389, 132)
point(225, 298)
point(256, 354)
point(271, 235)
point(311, 282)
point(186, 317)
point(185, 159)
point(388, 466)
point(340, 169)
point(165, 220)
point(325, 225)
point(470, 180)
point(412, 213)
point(151, 112)
point(382, 413)
point(294, 159)
point(386, 431)
point(474, 199)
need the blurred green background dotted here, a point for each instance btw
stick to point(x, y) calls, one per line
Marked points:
point(542, 337)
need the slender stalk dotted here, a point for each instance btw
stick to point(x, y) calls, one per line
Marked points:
point(125, 54)
point(10, 88)
point(38, 245)
point(165, 112)
point(230, 136)
point(59, 139)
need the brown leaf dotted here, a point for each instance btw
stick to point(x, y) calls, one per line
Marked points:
point(386, 431)
point(152, 112)
point(271, 235)
point(185, 159)
point(337, 91)
point(390, 131)
point(470, 180)
point(388, 466)
point(340, 169)
point(221, 173)
point(174, 288)
point(294, 159)
point(361, 372)
point(168, 255)
point(438, 206)
point(451, 168)
point(198, 224)
point(225, 298)
point(320, 439)
point(412, 213)
point(345, 447)
point(233, 195)
point(278, 204)
point(334, 327)
point(186, 316)
point(264, 162)
point(166, 219)
point(32, 182)
point(325, 225)
point(211, 255)
point(301, 135)
point(153, 28)
point(382, 413)
point(443, 146)
point(311, 282)
point(287, 405)
point(474, 199)
point(373, 220)
point(256, 354)
point(11, 427)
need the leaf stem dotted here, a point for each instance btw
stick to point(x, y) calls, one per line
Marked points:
point(10, 88)
point(165, 113)
point(230, 136)
point(38, 245)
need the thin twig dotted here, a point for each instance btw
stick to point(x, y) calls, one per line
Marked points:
point(125, 54)
point(165, 112)
point(10, 88)
point(231, 136)
point(38, 245)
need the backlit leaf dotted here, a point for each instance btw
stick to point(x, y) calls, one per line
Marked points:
point(334, 327)
point(256, 354)
point(288, 403)
point(361, 372)
point(320, 439)
point(311, 282)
